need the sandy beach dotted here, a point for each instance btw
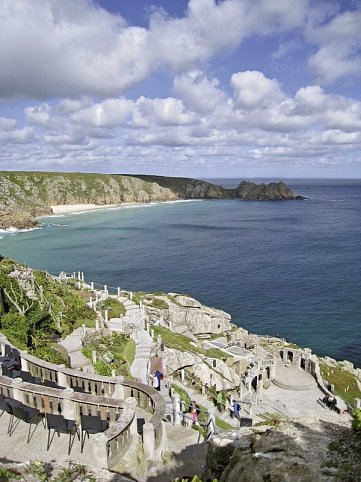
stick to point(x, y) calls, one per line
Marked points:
point(75, 208)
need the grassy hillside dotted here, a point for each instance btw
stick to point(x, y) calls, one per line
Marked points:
point(35, 310)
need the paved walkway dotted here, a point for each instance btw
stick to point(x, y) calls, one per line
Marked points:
point(73, 345)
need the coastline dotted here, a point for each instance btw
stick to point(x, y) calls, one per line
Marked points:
point(62, 209)
point(75, 208)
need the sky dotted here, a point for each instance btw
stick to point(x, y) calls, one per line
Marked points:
point(198, 88)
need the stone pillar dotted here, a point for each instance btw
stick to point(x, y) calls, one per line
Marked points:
point(24, 364)
point(94, 356)
point(68, 408)
point(148, 440)
point(62, 378)
point(273, 369)
point(106, 291)
point(210, 425)
point(131, 403)
point(17, 393)
point(182, 375)
point(118, 290)
point(119, 388)
point(357, 403)
point(100, 450)
point(106, 316)
point(74, 275)
point(176, 409)
point(79, 276)
point(130, 295)
point(82, 276)
point(152, 333)
point(92, 285)
point(83, 330)
point(113, 373)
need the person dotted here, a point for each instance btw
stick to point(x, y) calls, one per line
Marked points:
point(155, 382)
point(220, 401)
point(235, 410)
point(159, 377)
point(194, 411)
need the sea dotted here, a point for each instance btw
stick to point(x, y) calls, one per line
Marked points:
point(286, 268)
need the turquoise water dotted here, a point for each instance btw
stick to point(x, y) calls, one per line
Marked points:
point(288, 268)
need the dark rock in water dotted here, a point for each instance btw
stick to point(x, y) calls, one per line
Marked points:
point(17, 219)
point(272, 192)
point(300, 198)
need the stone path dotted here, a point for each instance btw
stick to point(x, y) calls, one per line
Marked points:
point(143, 340)
point(190, 455)
point(73, 345)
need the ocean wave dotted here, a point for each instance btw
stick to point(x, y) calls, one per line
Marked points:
point(13, 230)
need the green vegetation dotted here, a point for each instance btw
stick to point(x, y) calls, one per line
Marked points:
point(159, 304)
point(114, 352)
point(43, 472)
point(181, 342)
point(115, 307)
point(345, 383)
point(222, 424)
point(33, 313)
point(356, 423)
point(271, 418)
point(138, 296)
point(6, 474)
point(68, 306)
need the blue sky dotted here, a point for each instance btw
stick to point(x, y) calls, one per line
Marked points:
point(199, 88)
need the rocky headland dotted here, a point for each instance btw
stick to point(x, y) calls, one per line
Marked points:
point(25, 195)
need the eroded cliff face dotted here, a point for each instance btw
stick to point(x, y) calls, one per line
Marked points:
point(188, 316)
point(273, 192)
point(34, 192)
point(300, 450)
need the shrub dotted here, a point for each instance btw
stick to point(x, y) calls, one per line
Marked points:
point(16, 327)
point(356, 423)
point(116, 308)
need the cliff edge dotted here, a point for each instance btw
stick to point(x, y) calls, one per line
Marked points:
point(25, 195)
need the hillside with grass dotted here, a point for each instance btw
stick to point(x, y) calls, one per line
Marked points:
point(36, 310)
point(25, 195)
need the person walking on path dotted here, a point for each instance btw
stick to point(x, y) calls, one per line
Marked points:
point(158, 376)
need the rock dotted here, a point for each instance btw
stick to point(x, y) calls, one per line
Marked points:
point(35, 192)
point(17, 219)
point(272, 191)
point(296, 450)
point(191, 317)
point(187, 301)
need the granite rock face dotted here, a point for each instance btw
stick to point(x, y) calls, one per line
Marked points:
point(17, 219)
point(35, 192)
point(274, 191)
point(296, 450)
point(189, 315)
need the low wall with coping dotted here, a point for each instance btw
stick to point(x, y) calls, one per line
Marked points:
point(102, 395)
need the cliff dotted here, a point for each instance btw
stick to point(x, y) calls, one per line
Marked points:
point(300, 450)
point(34, 192)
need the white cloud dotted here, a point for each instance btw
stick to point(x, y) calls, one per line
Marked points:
point(7, 124)
point(51, 48)
point(197, 92)
point(18, 136)
point(109, 113)
point(161, 112)
point(339, 54)
point(38, 114)
point(252, 89)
